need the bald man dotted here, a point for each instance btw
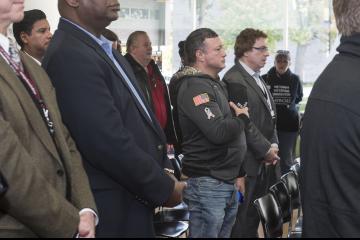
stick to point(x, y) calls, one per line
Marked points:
point(118, 135)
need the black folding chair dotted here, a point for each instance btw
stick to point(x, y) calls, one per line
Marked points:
point(270, 216)
point(296, 169)
point(292, 184)
point(177, 167)
point(172, 222)
point(171, 229)
point(172, 215)
point(281, 194)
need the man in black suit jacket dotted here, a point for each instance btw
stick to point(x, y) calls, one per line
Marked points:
point(121, 142)
point(247, 89)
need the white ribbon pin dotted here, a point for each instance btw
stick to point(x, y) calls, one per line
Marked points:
point(209, 113)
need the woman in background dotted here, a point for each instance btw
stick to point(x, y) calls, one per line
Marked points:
point(287, 92)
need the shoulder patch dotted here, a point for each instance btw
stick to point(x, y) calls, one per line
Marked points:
point(201, 99)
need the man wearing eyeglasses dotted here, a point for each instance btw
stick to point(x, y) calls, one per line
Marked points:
point(247, 89)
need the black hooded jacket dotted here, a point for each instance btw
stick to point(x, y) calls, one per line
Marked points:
point(287, 92)
point(213, 140)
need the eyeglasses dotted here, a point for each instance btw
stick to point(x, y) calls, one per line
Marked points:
point(261, 49)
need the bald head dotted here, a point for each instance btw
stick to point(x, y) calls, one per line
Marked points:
point(92, 15)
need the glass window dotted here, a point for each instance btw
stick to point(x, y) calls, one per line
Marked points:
point(305, 27)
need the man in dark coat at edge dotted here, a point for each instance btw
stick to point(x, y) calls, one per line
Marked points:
point(330, 146)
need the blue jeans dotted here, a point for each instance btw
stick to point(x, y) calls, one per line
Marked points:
point(213, 207)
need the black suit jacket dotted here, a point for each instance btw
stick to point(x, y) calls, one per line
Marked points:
point(261, 133)
point(124, 151)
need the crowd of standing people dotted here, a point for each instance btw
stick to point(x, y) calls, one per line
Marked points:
point(85, 131)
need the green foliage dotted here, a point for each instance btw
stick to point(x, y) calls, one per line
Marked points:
point(301, 36)
point(274, 36)
point(306, 17)
point(237, 15)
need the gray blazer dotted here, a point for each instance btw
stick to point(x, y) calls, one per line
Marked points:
point(261, 132)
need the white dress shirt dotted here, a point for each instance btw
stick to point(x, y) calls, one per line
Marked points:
point(5, 44)
point(260, 83)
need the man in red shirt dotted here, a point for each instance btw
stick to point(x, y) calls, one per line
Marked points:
point(150, 80)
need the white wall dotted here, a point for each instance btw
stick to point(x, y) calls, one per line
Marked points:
point(126, 25)
point(49, 7)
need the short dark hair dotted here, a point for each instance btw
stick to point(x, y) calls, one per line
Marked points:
point(195, 41)
point(246, 40)
point(181, 46)
point(27, 24)
point(110, 35)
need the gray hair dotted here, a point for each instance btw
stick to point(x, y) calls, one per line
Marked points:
point(347, 14)
point(132, 39)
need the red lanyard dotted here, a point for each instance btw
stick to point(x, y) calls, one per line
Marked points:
point(32, 88)
point(20, 72)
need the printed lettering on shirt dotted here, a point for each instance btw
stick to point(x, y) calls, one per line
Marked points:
point(201, 99)
point(282, 95)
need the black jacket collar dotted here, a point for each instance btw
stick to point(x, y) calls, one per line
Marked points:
point(350, 45)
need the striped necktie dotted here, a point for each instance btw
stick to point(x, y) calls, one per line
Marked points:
point(257, 78)
point(262, 86)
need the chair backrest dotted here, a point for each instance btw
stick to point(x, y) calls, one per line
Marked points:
point(172, 215)
point(171, 229)
point(296, 169)
point(282, 196)
point(291, 182)
point(270, 216)
point(177, 168)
